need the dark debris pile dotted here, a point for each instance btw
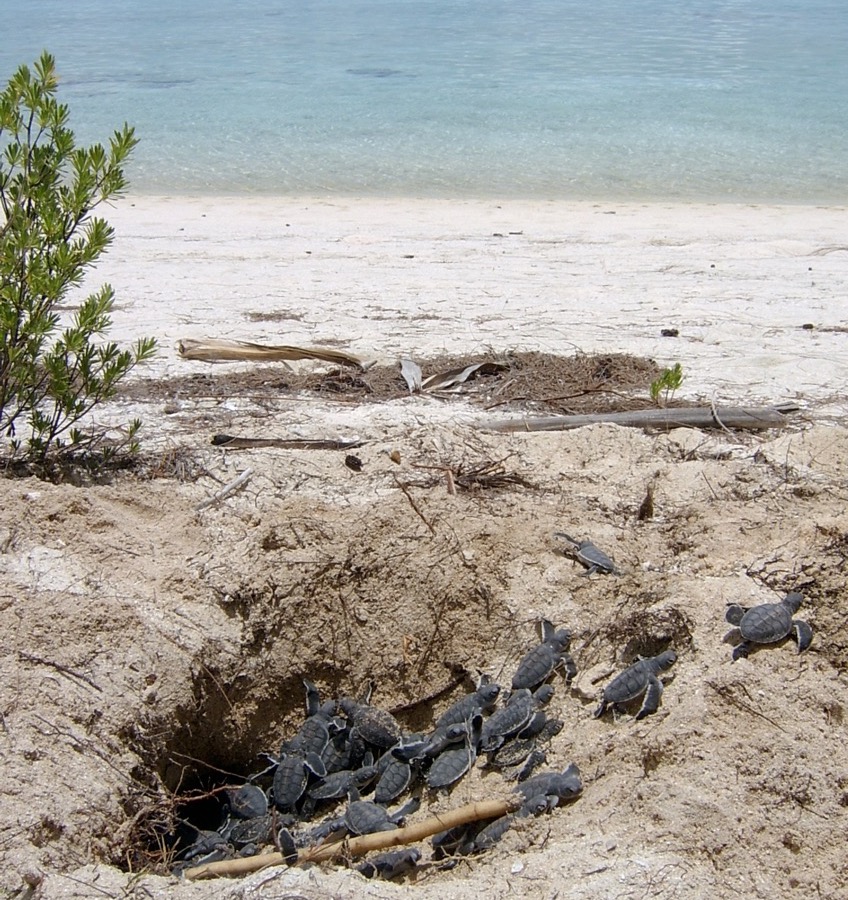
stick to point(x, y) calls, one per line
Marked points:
point(525, 381)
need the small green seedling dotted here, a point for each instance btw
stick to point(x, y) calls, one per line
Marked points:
point(664, 387)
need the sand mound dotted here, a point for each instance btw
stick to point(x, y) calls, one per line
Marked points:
point(151, 648)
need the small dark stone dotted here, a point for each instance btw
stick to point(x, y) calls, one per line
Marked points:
point(354, 463)
point(646, 507)
point(669, 332)
point(808, 326)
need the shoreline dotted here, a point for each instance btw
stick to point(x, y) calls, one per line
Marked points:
point(831, 200)
point(400, 276)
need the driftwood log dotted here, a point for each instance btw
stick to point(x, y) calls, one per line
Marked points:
point(724, 417)
point(217, 350)
point(366, 843)
point(233, 442)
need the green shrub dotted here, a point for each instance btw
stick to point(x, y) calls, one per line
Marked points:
point(53, 374)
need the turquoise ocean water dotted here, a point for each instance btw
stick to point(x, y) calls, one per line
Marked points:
point(733, 100)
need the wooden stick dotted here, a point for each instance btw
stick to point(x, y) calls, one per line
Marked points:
point(359, 846)
point(231, 442)
point(226, 490)
point(214, 349)
point(748, 418)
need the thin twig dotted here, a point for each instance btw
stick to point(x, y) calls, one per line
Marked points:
point(724, 692)
point(59, 667)
point(414, 505)
point(704, 476)
point(226, 490)
point(717, 419)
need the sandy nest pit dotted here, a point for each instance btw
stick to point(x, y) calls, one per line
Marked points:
point(151, 646)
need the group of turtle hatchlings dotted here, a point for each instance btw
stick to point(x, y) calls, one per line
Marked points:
point(347, 748)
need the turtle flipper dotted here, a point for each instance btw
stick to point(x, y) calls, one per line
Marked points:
point(803, 634)
point(408, 752)
point(651, 702)
point(546, 629)
point(569, 667)
point(313, 698)
point(740, 651)
point(315, 764)
point(590, 571)
point(600, 710)
point(288, 848)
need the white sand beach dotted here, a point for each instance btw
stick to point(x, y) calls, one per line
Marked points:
point(385, 278)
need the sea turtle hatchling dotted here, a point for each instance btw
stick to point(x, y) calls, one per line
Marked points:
point(245, 832)
point(391, 864)
point(482, 699)
point(377, 726)
point(548, 655)
point(395, 776)
point(640, 679)
point(490, 834)
point(338, 784)
point(551, 788)
point(368, 817)
point(292, 776)
point(589, 556)
point(451, 764)
point(513, 754)
point(769, 623)
point(246, 802)
point(514, 717)
point(438, 741)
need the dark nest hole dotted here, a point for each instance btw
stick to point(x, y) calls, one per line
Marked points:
point(235, 714)
point(182, 791)
point(526, 381)
point(641, 633)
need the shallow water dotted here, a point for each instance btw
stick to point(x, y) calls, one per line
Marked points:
point(734, 100)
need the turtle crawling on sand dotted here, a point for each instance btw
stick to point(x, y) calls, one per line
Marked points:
point(588, 555)
point(540, 661)
point(640, 679)
point(769, 623)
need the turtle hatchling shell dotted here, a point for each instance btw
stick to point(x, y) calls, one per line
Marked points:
point(509, 719)
point(767, 623)
point(377, 726)
point(589, 554)
point(247, 802)
point(251, 831)
point(394, 780)
point(535, 667)
point(448, 767)
point(631, 683)
point(366, 817)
